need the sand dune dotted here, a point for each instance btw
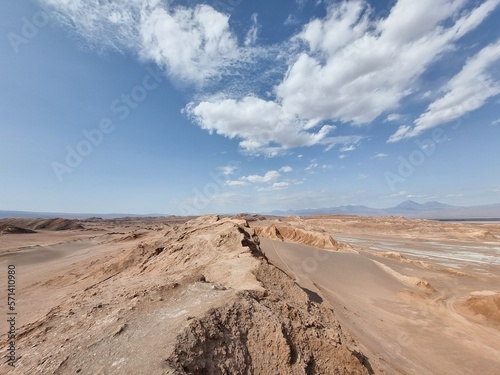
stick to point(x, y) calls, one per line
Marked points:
point(483, 305)
point(42, 224)
point(12, 229)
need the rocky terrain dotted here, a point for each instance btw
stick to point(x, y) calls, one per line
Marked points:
point(28, 225)
point(253, 294)
point(169, 298)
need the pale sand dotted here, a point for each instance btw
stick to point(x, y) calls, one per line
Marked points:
point(433, 307)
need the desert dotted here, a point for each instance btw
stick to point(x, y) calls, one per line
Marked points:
point(250, 294)
point(250, 187)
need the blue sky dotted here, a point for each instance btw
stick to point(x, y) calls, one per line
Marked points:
point(191, 107)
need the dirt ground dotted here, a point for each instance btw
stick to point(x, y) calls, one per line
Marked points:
point(253, 295)
point(422, 296)
point(162, 297)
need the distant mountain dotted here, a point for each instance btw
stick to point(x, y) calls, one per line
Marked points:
point(414, 206)
point(342, 210)
point(53, 215)
point(410, 209)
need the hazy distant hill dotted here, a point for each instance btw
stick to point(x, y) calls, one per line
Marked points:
point(53, 215)
point(411, 209)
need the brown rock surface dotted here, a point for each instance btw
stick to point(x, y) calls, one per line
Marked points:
point(310, 236)
point(42, 224)
point(191, 298)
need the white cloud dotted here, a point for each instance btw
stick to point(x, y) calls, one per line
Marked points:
point(399, 194)
point(413, 196)
point(251, 36)
point(402, 131)
point(280, 185)
point(348, 148)
point(270, 176)
point(496, 122)
point(291, 20)
point(193, 44)
point(258, 123)
point(286, 169)
point(348, 140)
point(380, 155)
point(363, 176)
point(234, 183)
point(102, 24)
point(311, 167)
point(275, 186)
point(343, 156)
point(228, 170)
point(301, 3)
point(427, 94)
point(267, 182)
point(357, 68)
point(350, 67)
point(465, 92)
point(393, 117)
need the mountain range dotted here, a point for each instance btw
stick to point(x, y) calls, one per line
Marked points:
point(410, 209)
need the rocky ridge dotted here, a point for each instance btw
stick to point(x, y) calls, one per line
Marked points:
point(194, 298)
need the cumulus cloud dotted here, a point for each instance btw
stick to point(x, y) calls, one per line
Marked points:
point(286, 169)
point(357, 68)
point(350, 68)
point(465, 92)
point(266, 182)
point(193, 44)
point(270, 176)
point(257, 123)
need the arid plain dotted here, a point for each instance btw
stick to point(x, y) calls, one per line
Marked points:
point(253, 295)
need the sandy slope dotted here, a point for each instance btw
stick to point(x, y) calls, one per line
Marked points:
point(162, 298)
point(413, 311)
